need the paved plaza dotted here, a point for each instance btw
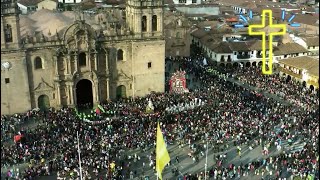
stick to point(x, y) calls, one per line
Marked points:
point(186, 165)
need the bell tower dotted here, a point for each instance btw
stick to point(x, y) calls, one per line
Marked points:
point(145, 17)
point(10, 28)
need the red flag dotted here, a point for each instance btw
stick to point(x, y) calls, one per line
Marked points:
point(17, 138)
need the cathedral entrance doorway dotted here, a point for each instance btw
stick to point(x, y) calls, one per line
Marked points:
point(121, 92)
point(84, 94)
point(43, 102)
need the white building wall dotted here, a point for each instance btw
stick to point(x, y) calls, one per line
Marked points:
point(23, 9)
point(305, 76)
point(316, 48)
point(301, 42)
point(225, 56)
point(70, 1)
point(187, 2)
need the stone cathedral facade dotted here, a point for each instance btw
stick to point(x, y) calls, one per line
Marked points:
point(82, 63)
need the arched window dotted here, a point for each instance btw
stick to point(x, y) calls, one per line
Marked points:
point(154, 23)
point(8, 33)
point(38, 63)
point(222, 58)
point(144, 24)
point(82, 59)
point(120, 55)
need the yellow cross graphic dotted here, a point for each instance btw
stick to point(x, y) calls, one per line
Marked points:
point(266, 13)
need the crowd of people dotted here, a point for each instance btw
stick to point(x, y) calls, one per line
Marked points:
point(229, 116)
point(10, 125)
point(288, 89)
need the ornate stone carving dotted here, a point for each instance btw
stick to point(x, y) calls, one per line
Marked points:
point(43, 86)
point(124, 75)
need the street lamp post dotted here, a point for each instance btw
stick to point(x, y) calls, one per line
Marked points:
point(79, 153)
point(206, 165)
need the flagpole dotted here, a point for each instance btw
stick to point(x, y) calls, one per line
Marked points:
point(157, 163)
point(205, 166)
point(79, 155)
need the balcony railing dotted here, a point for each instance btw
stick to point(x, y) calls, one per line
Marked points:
point(243, 56)
point(286, 71)
point(260, 56)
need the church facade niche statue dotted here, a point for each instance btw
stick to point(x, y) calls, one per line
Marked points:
point(150, 107)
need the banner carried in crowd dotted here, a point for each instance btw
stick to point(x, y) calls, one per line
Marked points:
point(86, 117)
point(185, 106)
point(96, 122)
point(178, 82)
point(215, 72)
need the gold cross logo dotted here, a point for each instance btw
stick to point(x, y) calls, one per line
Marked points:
point(266, 13)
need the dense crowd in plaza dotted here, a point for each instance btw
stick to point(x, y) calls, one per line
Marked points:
point(228, 116)
point(280, 85)
point(10, 125)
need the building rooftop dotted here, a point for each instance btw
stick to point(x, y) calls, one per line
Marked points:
point(257, 45)
point(49, 22)
point(201, 32)
point(309, 19)
point(312, 41)
point(239, 46)
point(249, 5)
point(115, 2)
point(303, 62)
point(211, 39)
point(29, 2)
point(204, 24)
point(222, 47)
point(289, 48)
point(241, 3)
point(229, 47)
point(172, 20)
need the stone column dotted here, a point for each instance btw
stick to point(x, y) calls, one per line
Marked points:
point(69, 94)
point(138, 17)
point(88, 56)
point(254, 55)
point(72, 93)
point(96, 89)
point(16, 31)
point(67, 65)
point(149, 23)
point(3, 41)
point(55, 59)
point(160, 23)
point(76, 63)
point(95, 61)
point(58, 95)
point(108, 89)
point(94, 92)
point(107, 62)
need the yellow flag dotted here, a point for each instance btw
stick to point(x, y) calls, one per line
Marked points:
point(162, 155)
